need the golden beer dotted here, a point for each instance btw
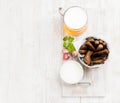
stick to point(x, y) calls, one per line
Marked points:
point(75, 21)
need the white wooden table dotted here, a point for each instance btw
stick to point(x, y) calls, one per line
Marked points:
point(30, 50)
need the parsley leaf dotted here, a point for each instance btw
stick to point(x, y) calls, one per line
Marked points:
point(70, 47)
point(65, 38)
point(70, 39)
point(68, 43)
point(65, 45)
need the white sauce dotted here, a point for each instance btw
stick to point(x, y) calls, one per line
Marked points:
point(71, 72)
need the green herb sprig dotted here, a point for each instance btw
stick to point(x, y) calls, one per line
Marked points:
point(68, 43)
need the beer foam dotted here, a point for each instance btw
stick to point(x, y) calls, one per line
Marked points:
point(75, 17)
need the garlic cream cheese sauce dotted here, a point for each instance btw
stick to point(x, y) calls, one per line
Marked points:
point(71, 72)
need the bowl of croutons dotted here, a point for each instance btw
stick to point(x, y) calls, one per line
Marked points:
point(93, 52)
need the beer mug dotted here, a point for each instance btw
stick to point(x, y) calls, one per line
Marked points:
point(74, 20)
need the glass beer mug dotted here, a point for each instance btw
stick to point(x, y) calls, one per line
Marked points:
point(74, 20)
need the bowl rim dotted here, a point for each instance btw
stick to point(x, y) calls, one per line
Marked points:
point(87, 66)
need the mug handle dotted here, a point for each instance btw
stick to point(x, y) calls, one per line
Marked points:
point(84, 83)
point(61, 11)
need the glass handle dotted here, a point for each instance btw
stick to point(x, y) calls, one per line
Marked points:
point(84, 83)
point(61, 11)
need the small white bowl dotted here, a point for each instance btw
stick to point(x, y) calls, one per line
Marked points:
point(71, 72)
point(80, 57)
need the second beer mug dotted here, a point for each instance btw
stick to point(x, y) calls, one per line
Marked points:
point(75, 20)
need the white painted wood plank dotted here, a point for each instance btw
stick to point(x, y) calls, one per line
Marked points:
point(95, 28)
point(22, 75)
point(112, 31)
point(54, 55)
point(89, 100)
point(29, 72)
point(27, 38)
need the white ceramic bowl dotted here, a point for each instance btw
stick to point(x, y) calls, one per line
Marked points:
point(80, 57)
point(71, 72)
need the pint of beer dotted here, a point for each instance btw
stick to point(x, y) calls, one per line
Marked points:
point(75, 21)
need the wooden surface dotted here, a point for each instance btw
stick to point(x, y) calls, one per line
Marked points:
point(30, 50)
point(95, 76)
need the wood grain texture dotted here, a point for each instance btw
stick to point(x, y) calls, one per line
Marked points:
point(30, 50)
point(96, 76)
